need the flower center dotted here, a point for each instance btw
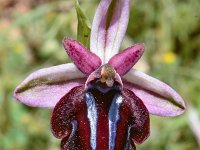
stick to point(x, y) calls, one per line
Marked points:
point(107, 75)
point(104, 79)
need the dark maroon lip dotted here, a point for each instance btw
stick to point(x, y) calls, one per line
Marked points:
point(100, 118)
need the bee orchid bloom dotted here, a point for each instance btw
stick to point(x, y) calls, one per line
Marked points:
point(99, 102)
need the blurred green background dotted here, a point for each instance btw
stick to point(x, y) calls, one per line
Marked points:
point(31, 33)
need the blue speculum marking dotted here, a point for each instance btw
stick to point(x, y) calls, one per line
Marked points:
point(74, 128)
point(113, 117)
point(128, 144)
point(92, 116)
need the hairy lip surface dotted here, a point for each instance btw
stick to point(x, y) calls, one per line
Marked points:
point(104, 120)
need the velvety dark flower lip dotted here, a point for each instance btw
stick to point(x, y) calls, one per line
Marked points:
point(100, 102)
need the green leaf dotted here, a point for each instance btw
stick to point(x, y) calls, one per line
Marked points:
point(84, 26)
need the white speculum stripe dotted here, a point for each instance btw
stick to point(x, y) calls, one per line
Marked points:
point(92, 116)
point(128, 144)
point(113, 117)
point(74, 128)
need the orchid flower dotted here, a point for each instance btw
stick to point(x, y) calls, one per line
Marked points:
point(99, 101)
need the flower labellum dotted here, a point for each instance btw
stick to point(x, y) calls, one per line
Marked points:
point(102, 115)
point(99, 102)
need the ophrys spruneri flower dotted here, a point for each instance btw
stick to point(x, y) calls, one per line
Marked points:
point(99, 102)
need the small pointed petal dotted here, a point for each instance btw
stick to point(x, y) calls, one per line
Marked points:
point(159, 98)
point(124, 61)
point(45, 87)
point(85, 60)
point(140, 122)
point(109, 27)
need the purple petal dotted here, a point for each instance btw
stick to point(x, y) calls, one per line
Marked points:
point(124, 61)
point(85, 60)
point(140, 122)
point(45, 87)
point(108, 29)
point(158, 97)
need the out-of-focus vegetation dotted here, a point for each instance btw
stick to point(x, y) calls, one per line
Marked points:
point(31, 32)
